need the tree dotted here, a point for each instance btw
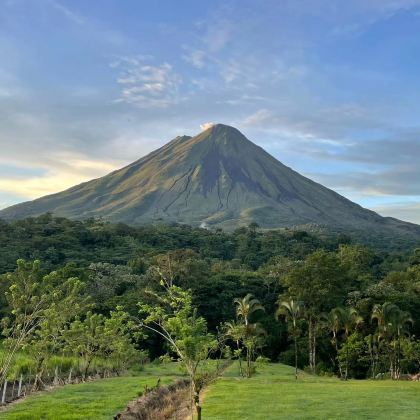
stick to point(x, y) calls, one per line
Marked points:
point(351, 354)
point(175, 319)
point(99, 336)
point(399, 324)
point(292, 311)
point(236, 331)
point(87, 339)
point(39, 307)
point(392, 325)
point(332, 321)
point(321, 283)
point(252, 332)
point(349, 320)
point(48, 339)
point(107, 281)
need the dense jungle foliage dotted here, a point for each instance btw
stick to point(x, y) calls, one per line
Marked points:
point(331, 276)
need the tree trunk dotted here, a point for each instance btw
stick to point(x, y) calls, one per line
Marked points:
point(296, 359)
point(20, 385)
point(391, 362)
point(314, 348)
point(89, 361)
point(56, 380)
point(240, 366)
point(347, 362)
point(3, 398)
point(312, 345)
point(376, 360)
point(197, 400)
point(340, 371)
point(372, 363)
point(248, 362)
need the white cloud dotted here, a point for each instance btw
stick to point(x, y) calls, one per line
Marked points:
point(69, 14)
point(206, 126)
point(145, 85)
point(196, 57)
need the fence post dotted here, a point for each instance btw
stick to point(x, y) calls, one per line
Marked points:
point(55, 382)
point(20, 385)
point(3, 398)
point(69, 379)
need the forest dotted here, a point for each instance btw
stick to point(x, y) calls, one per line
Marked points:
point(91, 298)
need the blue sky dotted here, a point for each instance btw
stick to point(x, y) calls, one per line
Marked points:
point(329, 87)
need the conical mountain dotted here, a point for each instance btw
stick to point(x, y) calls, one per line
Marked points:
point(217, 178)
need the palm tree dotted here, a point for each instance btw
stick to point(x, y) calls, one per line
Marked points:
point(386, 316)
point(236, 332)
point(383, 315)
point(291, 310)
point(245, 307)
point(373, 342)
point(349, 319)
point(333, 322)
point(399, 323)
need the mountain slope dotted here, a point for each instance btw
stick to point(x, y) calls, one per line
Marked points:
point(216, 178)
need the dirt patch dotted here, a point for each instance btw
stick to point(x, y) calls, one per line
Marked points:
point(161, 402)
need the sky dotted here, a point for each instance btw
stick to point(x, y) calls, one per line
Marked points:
point(330, 88)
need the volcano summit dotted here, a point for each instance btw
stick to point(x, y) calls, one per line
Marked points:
point(217, 178)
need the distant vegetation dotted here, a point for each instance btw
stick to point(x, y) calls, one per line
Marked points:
point(92, 297)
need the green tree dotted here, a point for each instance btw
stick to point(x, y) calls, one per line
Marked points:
point(245, 308)
point(236, 331)
point(97, 336)
point(332, 322)
point(351, 354)
point(349, 320)
point(107, 281)
point(321, 283)
point(39, 308)
point(400, 327)
point(47, 340)
point(392, 324)
point(292, 311)
point(175, 319)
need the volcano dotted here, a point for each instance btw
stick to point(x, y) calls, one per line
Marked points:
point(217, 178)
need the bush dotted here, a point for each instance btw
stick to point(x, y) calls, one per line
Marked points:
point(164, 359)
point(262, 360)
point(23, 365)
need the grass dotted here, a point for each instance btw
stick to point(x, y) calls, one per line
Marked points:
point(97, 400)
point(273, 393)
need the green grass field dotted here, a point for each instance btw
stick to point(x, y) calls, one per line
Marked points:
point(96, 400)
point(273, 393)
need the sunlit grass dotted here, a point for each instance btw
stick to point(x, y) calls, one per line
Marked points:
point(97, 400)
point(273, 393)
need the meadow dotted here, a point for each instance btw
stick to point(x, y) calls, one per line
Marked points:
point(97, 400)
point(273, 393)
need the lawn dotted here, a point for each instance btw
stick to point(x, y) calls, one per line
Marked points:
point(273, 393)
point(97, 400)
